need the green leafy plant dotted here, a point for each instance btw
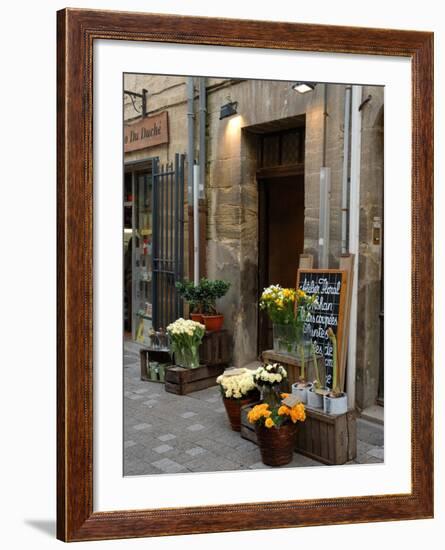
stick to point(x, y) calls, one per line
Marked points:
point(191, 294)
point(209, 292)
point(202, 297)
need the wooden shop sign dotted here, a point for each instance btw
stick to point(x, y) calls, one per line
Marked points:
point(147, 132)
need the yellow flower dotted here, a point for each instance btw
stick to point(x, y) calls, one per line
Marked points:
point(284, 411)
point(258, 412)
point(269, 423)
point(298, 413)
point(301, 293)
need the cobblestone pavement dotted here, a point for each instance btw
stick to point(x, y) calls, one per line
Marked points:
point(167, 433)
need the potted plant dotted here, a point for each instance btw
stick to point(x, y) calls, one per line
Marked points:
point(288, 310)
point(191, 294)
point(209, 292)
point(276, 430)
point(184, 339)
point(237, 389)
point(335, 401)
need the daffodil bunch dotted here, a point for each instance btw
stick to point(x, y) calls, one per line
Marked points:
point(286, 306)
point(274, 417)
point(279, 303)
point(236, 386)
point(184, 339)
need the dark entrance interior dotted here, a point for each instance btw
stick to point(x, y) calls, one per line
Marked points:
point(281, 214)
point(281, 239)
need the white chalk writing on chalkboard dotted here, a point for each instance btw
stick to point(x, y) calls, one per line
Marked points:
point(326, 312)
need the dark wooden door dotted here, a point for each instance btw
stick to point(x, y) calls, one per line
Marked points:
point(281, 239)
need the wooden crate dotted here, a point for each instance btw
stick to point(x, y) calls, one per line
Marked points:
point(331, 439)
point(247, 429)
point(184, 381)
point(215, 348)
point(327, 438)
point(292, 364)
point(149, 355)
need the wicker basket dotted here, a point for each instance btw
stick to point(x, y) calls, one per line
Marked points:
point(276, 444)
point(233, 409)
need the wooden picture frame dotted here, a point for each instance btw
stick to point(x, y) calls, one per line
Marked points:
point(77, 31)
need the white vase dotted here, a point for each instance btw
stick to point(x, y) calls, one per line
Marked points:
point(335, 405)
point(314, 400)
point(301, 390)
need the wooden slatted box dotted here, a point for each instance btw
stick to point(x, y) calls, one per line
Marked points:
point(184, 381)
point(215, 348)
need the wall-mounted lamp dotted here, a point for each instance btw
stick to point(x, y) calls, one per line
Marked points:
point(142, 96)
point(304, 87)
point(229, 109)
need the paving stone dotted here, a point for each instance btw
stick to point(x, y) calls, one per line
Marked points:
point(377, 452)
point(168, 466)
point(213, 399)
point(128, 444)
point(166, 437)
point(162, 448)
point(142, 426)
point(188, 414)
point(367, 459)
point(141, 390)
point(150, 403)
point(195, 427)
point(195, 451)
point(369, 432)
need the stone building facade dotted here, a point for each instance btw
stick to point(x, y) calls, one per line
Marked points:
point(268, 113)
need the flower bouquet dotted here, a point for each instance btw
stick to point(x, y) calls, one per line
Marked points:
point(288, 309)
point(184, 339)
point(276, 429)
point(269, 380)
point(237, 389)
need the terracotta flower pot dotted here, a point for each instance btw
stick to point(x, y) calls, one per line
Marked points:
point(197, 317)
point(233, 409)
point(213, 322)
point(277, 444)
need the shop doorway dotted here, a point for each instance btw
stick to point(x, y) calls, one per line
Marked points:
point(153, 245)
point(281, 215)
point(137, 244)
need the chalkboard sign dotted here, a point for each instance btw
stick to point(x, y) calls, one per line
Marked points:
point(329, 285)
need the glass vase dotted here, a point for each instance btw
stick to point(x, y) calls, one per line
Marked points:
point(187, 357)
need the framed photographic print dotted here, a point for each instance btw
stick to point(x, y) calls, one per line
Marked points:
point(245, 228)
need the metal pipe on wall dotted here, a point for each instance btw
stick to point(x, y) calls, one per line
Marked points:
point(191, 137)
point(325, 194)
point(345, 176)
point(354, 241)
point(202, 135)
point(196, 177)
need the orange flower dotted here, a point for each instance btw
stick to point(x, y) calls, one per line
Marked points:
point(284, 395)
point(297, 413)
point(284, 410)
